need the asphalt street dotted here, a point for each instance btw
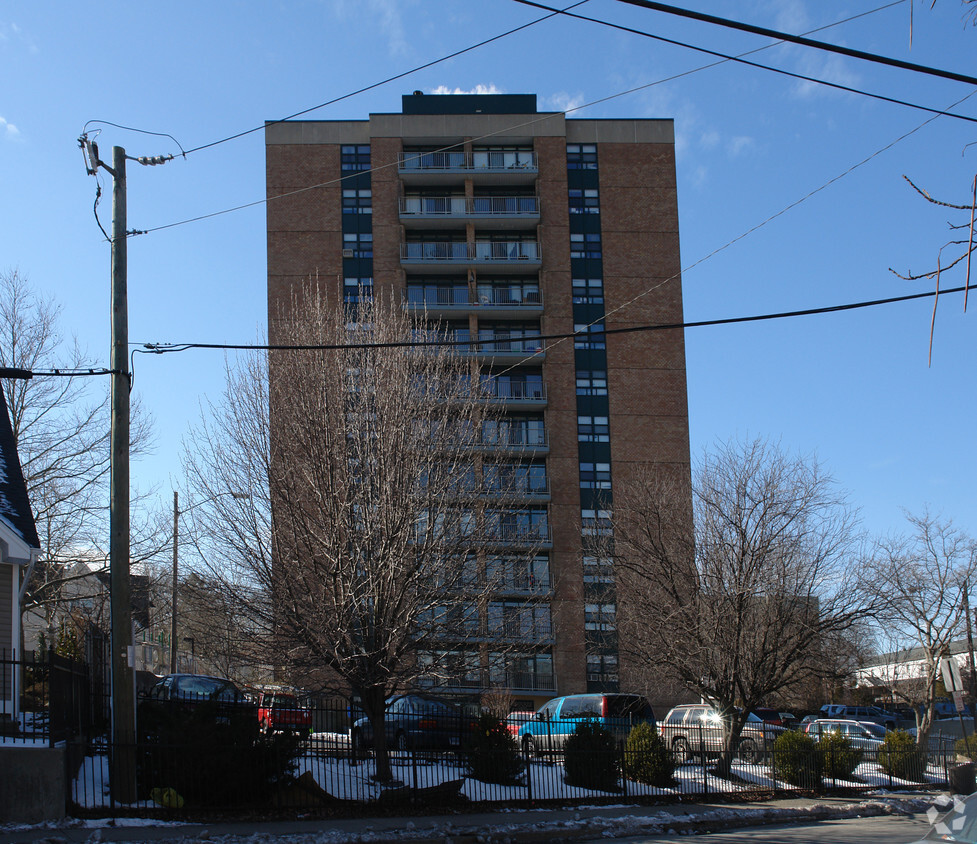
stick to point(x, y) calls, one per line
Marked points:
point(879, 830)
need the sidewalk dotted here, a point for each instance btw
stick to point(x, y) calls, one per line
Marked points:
point(530, 825)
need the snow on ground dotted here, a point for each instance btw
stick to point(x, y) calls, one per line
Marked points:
point(530, 821)
point(352, 779)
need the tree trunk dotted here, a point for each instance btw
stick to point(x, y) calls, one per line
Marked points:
point(375, 707)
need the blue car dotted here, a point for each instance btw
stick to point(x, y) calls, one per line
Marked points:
point(556, 720)
point(416, 722)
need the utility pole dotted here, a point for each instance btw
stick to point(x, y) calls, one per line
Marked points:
point(122, 659)
point(123, 692)
point(176, 519)
point(970, 652)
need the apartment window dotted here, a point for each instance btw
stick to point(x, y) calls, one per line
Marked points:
point(596, 523)
point(585, 245)
point(591, 382)
point(598, 570)
point(355, 157)
point(602, 667)
point(357, 201)
point(514, 431)
point(361, 244)
point(583, 201)
point(593, 429)
point(589, 335)
point(588, 291)
point(517, 574)
point(601, 617)
point(581, 156)
point(519, 620)
point(356, 290)
point(595, 475)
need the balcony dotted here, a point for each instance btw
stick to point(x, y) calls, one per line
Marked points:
point(490, 212)
point(536, 536)
point(484, 167)
point(517, 441)
point(448, 300)
point(515, 395)
point(439, 256)
point(522, 681)
point(496, 347)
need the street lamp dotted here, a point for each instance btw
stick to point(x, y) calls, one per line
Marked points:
point(176, 551)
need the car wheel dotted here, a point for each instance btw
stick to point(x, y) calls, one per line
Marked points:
point(681, 751)
point(747, 751)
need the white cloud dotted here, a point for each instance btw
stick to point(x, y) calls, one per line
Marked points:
point(739, 144)
point(709, 139)
point(12, 33)
point(384, 15)
point(478, 89)
point(562, 101)
point(830, 68)
point(8, 130)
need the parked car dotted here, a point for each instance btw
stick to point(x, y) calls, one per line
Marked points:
point(556, 720)
point(769, 716)
point(417, 722)
point(693, 729)
point(859, 713)
point(177, 697)
point(866, 736)
point(515, 720)
point(281, 712)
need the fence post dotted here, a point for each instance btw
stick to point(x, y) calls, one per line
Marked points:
point(773, 766)
point(529, 773)
point(702, 759)
point(413, 768)
point(624, 766)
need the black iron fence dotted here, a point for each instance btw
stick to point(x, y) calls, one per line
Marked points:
point(191, 760)
point(48, 698)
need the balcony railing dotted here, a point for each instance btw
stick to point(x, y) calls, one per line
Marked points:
point(483, 251)
point(521, 391)
point(516, 440)
point(476, 206)
point(484, 161)
point(519, 535)
point(521, 680)
point(459, 298)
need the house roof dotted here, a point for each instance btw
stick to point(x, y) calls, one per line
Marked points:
point(15, 506)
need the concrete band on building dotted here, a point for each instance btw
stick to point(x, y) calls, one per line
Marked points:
point(509, 224)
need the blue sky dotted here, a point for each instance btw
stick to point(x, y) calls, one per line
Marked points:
point(853, 388)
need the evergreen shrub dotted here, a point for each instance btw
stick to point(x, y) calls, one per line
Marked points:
point(648, 759)
point(590, 758)
point(493, 753)
point(796, 759)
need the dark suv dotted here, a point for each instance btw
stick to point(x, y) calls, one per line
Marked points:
point(179, 697)
point(556, 720)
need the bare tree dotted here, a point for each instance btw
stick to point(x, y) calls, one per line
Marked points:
point(61, 427)
point(372, 500)
point(743, 598)
point(920, 580)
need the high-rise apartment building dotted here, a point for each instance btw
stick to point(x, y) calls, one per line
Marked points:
point(507, 224)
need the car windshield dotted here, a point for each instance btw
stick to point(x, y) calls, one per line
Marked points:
point(877, 730)
point(959, 824)
point(283, 702)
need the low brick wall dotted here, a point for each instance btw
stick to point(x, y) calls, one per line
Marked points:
point(32, 786)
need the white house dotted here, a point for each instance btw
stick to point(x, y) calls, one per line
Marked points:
point(19, 550)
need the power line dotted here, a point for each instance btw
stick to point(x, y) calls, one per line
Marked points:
point(165, 348)
point(722, 58)
point(799, 39)
point(389, 79)
point(740, 60)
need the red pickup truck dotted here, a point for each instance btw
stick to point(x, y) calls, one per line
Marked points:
point(281, 712)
